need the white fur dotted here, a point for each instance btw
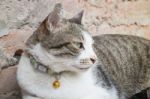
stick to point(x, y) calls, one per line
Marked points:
point(80, 85)
point(88, 42)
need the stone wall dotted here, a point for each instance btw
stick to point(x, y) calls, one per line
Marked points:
point(19, 18)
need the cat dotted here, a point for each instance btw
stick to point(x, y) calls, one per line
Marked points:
point(63, 61)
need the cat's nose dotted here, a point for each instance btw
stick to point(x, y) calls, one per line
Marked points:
point(93, 59)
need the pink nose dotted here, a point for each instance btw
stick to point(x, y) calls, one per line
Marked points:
point(93, 59)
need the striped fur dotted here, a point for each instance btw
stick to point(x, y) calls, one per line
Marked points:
point(125, 61)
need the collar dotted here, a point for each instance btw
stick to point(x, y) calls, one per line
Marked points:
point(43, 68)
point(37, 65)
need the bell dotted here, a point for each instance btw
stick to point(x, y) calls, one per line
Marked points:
point(56, 84)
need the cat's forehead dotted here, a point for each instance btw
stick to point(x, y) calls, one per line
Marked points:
point(70, 32)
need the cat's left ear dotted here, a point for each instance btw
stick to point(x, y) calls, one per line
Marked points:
point(77, 18)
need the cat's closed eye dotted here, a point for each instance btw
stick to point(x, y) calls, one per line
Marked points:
point(59, 46)
point(75, 45)
point(79, 45)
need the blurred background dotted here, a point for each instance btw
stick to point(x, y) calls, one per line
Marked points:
point(19, 18)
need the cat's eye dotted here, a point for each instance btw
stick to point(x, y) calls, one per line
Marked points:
point(59, 46)
point(75, 46)
point(79, 45)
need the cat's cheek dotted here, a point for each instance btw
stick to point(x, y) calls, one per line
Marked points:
point(63, 65)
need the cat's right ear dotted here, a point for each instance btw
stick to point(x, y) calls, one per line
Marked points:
point(55, 17)
point(77, 18)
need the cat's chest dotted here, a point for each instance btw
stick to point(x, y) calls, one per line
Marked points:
point(82, 86)
point(71, 88)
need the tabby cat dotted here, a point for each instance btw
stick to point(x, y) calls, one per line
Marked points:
point(63, 61)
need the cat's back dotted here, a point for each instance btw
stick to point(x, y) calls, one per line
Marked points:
point(126, 59)
point(122, 39)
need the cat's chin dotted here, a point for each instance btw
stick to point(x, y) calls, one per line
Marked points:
point(82, 69)
point(74, 69)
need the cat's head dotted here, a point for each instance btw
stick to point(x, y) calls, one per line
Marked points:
point(65, 43)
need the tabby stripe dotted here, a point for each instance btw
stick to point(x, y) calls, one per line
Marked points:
point(111, 48)
point(111, 59)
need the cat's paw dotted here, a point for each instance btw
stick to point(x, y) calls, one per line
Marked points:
point(12, 61)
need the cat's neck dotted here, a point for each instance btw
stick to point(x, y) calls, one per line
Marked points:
point(39, 53)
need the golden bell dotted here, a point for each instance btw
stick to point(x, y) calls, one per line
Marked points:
point(56, 84)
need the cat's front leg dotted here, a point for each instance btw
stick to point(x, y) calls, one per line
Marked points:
point(12, 61)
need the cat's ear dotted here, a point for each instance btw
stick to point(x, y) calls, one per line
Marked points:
point(77, 18)
point(55, 17)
